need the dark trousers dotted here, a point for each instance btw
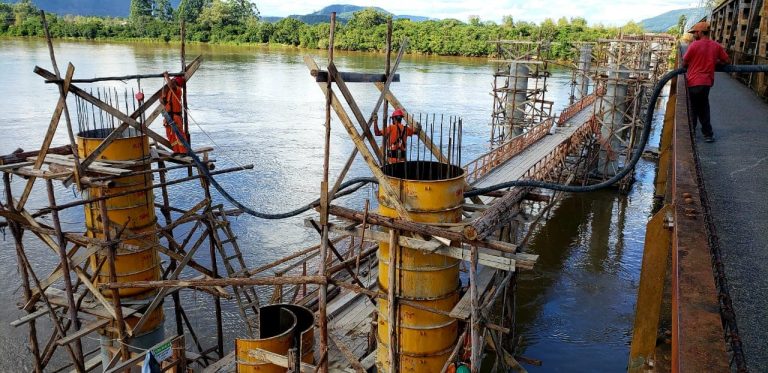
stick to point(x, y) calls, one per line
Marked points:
point(699, 97)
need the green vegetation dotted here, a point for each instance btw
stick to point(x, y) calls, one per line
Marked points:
point(237, 21)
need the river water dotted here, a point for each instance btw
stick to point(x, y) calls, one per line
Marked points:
point(259, 105)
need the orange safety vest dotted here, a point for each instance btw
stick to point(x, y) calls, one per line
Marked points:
point(172, 100)
point(396, 142)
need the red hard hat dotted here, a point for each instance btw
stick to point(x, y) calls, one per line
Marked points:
point(140, 96)
point(179, 80)
point(398, 113)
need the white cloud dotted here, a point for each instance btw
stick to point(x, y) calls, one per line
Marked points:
point(617, 12)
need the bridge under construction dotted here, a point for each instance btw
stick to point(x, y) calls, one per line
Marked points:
point(383, 288)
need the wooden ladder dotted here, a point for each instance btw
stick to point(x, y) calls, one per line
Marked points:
point(246, 295)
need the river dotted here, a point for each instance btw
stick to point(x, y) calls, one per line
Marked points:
point(259, 105)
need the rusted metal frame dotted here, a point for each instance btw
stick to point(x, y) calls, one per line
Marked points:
point(48, 136)
point(77, 170)
point(696, 322)
point(64, 262)
point(17, 233)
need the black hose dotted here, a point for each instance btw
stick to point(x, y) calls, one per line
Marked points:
point(360, 182)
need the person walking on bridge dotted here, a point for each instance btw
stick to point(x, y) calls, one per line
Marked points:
point(700, 60)
point(396, 136)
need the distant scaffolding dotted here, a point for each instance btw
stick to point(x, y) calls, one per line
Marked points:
point(624, 71)
point(519, 85)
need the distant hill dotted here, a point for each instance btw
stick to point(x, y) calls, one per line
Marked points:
point(120, 8)
point(103, 8)
point(344, 13)
point(663, 22)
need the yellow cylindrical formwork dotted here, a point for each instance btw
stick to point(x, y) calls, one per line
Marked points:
point(137, 259)
point(431, 193)
point(277, 328)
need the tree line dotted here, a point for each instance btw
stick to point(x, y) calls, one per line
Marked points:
point(237, 21)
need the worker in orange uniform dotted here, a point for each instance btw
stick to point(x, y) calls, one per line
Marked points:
point(171, 99)
point(396, 136)
point(700, 59)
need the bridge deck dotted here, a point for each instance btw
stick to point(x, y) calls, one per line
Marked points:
point(516, 167)
point(735, 173)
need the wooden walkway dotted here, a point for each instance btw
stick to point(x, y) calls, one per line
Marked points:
point(516, 167)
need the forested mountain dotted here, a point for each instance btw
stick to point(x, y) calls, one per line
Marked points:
point(121, 8)
point(664, 21)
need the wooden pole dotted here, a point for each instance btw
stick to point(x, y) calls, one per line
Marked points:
point(385, 107)
point(105, 226)
point(184, 70)
point(324, 202)
point(77, 170)
point(165, 210)
point(420, 228)
point(211, 282)
point(394, 257)
point(475, 321)
point(17, 232)
point(64, 263)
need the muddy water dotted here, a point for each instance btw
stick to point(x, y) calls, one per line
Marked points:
point(259, 105)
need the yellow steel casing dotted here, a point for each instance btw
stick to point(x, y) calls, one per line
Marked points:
point(411, 363)
point(417, 326)
point(136, 259)
point(425, 339)
point(278, 327)
point(420, 275)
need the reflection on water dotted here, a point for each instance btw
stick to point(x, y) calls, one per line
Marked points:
point(259, 105)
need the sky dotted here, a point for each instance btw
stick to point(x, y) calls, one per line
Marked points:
point(607, 12)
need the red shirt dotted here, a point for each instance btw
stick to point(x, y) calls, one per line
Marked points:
point(700, 58)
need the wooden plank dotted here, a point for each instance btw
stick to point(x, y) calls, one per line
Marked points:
point(84, 330)
point(225, 364)
point(42, 311)
point(507, 263)
point(13, 166)
point(463, 309)
point(56, 296)
point(650, 291)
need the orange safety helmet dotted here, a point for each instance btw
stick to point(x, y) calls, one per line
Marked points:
point(701, 26)
point(398, 113)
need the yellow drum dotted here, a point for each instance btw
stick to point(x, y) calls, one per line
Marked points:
point(431, 193)
point(277, 326)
